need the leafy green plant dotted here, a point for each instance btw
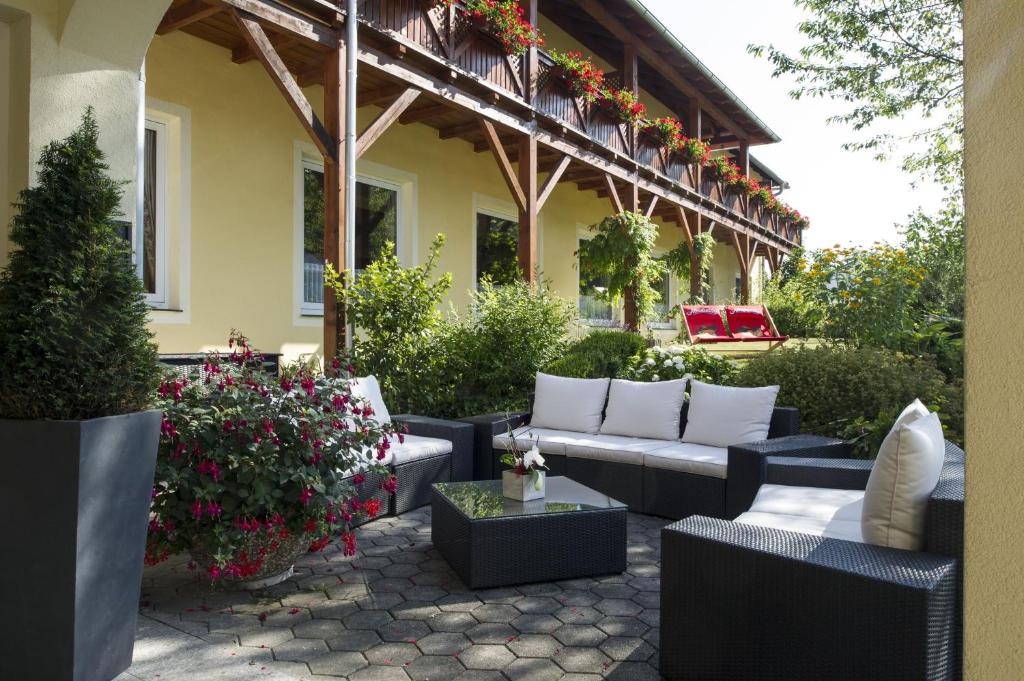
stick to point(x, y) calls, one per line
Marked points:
point(678, 260)
point(855, 393)
point(622, 250)
point(679, 361)
point(599, 354)
point(250, 464)
point(73, 337)
point(395, 310)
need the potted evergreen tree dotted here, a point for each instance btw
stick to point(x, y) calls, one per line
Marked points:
point(78, 443)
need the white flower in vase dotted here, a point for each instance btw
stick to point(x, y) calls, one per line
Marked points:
point(533, 458)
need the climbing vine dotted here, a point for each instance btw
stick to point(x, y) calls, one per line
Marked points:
point(678, 260)
point(622, 250)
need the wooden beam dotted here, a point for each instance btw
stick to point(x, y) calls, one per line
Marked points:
point(507, 172)
point(260, 45)
point(553, 178)
point(610, 21)
point(526, 249)
point(186, 14)
point(743, 159)
point(459, 130)
point(613, 194)
point(335, 327)
point(651, 206)
point(380, 94)
point(384, 120)
point(243, 53)
point(424, 113)
point(530, 60)
point(287, 21)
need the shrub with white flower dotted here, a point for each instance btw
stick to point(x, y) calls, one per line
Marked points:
point(679, 361)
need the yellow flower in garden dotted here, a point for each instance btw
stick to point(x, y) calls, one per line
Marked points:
point(844, 294)
point(876, 281)
point(855, 305)
point(858, 280)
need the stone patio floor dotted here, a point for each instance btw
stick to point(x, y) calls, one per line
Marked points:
point(396, 611)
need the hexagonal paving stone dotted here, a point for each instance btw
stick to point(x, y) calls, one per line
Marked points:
point(267, 636)
point(286, 617)
point(404, 630)
point(536, 624)
point(458, 603)
point(393, 585)
point(579, 635)
point(380, 674)
point(367, 619)
point(492, 632)
point(337, 663)
point(532, 605)
point(578, 614)
point(443, 643)
point(614, 591)
point(393, 654)
point(622, 626)
point(648, 599)
point(486, 657)
point(634, 671)
point(583, 660)
point(400, 570)
point(533, 669)
point(347, 591)
point(334, 610)
point(318, 629)
point(493, 612)
point(534, 645)
point(434, 668)
point(300, 649)
point(541, 589)
point(577, 598)
point(354, 639)
point(451, 621)
point(633, 649)
point(651, 618)
point(424, 593)
point(414, 610)
point(480, 675)
point(503, 596)
point(618, 607)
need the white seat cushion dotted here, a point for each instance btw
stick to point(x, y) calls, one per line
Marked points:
point(905, 473)
point(614, 448)
point(720, 416)
point(549, 441)
point(416, 447)
point(367, 388)
point(574, 404)
point(822, 512)
point(637, 409)
point(687, 457)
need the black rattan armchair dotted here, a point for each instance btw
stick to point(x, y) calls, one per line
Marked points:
point(746, 602)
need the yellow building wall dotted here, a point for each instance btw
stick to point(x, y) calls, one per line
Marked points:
point(993, 582)
point(231, 253)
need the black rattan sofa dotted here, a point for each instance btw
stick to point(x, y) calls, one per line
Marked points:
point(741, 601)
point(658, 491)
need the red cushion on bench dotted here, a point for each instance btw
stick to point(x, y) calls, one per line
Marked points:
point(748, 322)
point(705, 321)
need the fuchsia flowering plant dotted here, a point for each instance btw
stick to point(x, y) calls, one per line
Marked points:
point(251, 465)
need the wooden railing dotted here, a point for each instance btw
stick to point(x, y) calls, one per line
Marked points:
point(447, 33)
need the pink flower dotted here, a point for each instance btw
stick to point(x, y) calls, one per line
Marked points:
point(349, 539)
point(214, 572)
point(197, 509)
point(390, 484)
point(213, 508)
point(306, 494)
point(358, 479)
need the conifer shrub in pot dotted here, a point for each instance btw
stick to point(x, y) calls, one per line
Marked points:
point(78, 438)
point(254, 470)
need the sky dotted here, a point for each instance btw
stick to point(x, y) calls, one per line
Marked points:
point(850, 197)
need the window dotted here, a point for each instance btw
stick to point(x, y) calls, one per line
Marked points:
point(593, 309)
point(154, 213)
point(660, 318)
point(376, 224)
point(497, 242)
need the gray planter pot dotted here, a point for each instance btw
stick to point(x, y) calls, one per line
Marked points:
point(74, 508)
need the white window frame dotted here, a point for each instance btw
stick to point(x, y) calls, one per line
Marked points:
point(159, 298)
point(583, 233)
point(309, 161)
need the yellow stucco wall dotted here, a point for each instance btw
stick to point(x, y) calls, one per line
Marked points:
point(232, 260)
point(994, 585)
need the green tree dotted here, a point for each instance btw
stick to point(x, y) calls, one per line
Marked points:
point(888, 59)
point(73, 337)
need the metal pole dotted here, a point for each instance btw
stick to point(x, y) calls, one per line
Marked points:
point(140, 175)
point(351, 62)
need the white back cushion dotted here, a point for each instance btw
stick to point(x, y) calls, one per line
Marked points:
point(644, 409)
point(720, 416)
point(569, 403)
point(904, 475)
point(367, 388)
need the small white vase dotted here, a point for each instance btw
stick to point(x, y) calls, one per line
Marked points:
point(523, 487)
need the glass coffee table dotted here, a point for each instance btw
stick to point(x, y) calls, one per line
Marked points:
point(491, 541)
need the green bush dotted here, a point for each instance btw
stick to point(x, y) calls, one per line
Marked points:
point(73, 337)
point(795, 314)
point(679, 361)
point(510, 333)
point(855, 393)
point(599, 354)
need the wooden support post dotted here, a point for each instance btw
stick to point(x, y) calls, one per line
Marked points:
point(744, 157)
point(552, 181)
point(695, 128)
point(745, 256)
point(527, 247)
point(613, 194)
point(383, 121)
point(531, 62)
point(334, 196)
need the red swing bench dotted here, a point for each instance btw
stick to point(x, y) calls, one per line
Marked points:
point(747, 324)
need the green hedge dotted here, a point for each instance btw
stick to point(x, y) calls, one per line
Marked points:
point(599, 354)
point(855, 393)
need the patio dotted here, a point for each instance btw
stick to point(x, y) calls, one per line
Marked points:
point(397, 611)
